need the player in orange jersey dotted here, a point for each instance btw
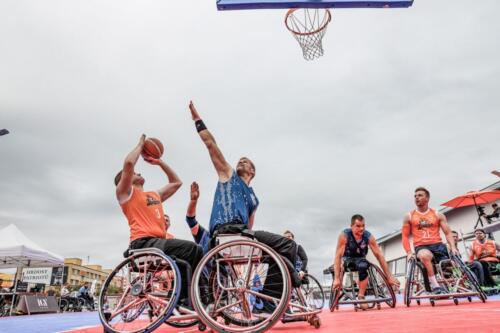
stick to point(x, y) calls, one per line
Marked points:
point(424, 224)
point(144, 212)
point(484, 252)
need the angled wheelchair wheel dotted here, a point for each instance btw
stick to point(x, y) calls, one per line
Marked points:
point(313, 293)
point(381, 286)
point(415, 284)
point(248, 290)
point(335, 295)
point(140, 293)
point(470, 281)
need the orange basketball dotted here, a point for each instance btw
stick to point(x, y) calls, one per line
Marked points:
point(153, 148)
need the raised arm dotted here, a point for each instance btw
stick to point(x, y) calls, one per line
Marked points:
point(223, 168)
point(191, 210)
point(447, 232)
point(124, 186)
point(405, 236)
point(337, 262)
point(174, 183)
point(380, 258)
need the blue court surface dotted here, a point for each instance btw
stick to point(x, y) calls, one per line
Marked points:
point(61, 322)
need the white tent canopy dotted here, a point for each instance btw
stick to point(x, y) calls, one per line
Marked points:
point(17, 250)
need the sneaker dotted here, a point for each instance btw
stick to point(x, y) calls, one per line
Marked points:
point(438, 290)
point(362, 306)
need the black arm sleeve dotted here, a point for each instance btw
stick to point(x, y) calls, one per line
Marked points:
point(303, 256)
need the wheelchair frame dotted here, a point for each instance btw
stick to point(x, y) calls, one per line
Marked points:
point(230, 280)
point(141, 293)
point(348, 295)
point(460, 282)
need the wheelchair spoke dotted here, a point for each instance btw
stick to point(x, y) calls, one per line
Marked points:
point(134, 303)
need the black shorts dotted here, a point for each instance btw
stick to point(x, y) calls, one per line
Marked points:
point(439, 251)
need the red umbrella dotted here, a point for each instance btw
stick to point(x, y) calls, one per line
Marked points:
point(473, 199)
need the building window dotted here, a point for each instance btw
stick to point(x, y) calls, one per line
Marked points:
point(398, 266)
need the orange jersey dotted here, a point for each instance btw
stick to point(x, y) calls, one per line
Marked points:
point(144, 213)
point(486, 251)
point(425, 227)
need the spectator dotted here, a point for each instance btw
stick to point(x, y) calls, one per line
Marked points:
point(65, 290)
point(495, 214)
point(484, 252)
point(301, 263)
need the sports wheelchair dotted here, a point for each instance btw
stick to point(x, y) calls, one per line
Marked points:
point(452, 275)
point(249, 288)
point(142, 293)
point(378, 289)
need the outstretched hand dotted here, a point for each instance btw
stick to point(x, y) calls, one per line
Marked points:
point(194, 113)
point(195, 191)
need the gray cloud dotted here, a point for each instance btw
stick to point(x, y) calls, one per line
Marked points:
point(402, 98)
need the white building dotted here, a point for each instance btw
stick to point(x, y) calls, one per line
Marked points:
point(461, 220)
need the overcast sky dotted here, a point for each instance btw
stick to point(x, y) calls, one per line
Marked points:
point(402, 98)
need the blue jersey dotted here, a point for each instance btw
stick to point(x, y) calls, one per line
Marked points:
point(353, 248)
point(234, 202)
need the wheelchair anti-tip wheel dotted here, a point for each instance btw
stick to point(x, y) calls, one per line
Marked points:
point(248, 289)
point(146, 283)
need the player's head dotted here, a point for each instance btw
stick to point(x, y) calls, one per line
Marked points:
point(137, 179)
point(245, 167)
point(455, 236)
point(357, 224)
point(494, 205)
point(167, 221)
point(422, 196)
point(480, 234)
point(288, 234)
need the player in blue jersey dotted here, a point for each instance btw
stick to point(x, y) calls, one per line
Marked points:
point(352, 247)
point(235, 202)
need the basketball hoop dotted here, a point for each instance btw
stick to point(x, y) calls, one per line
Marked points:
point(308, 26)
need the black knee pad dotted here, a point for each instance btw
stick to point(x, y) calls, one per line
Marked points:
point(363, 269)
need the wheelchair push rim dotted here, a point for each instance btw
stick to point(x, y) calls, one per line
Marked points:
point(230, 302)
point(140, 293)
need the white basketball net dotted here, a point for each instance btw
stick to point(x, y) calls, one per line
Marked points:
point(308, 26)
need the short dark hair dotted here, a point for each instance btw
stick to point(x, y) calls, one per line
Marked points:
point(479, 229)
point(357, 217)
point(494, 205)
point(118, 177)
point(251, 163)
point(454, 232)
point(423, 189)
point(289, 232)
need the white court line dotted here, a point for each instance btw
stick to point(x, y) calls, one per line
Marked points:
point(77, 328)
